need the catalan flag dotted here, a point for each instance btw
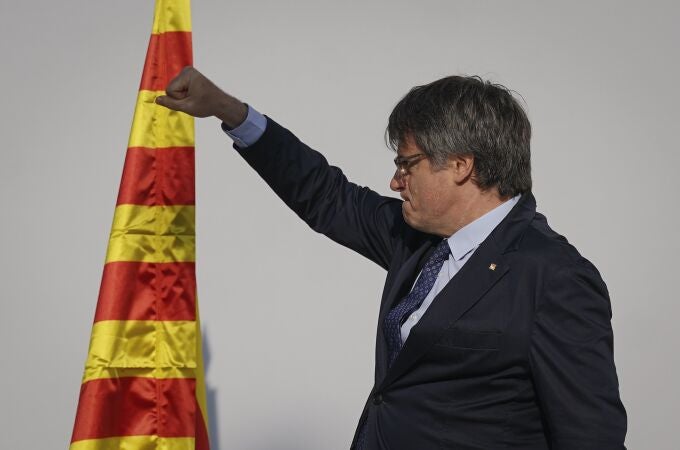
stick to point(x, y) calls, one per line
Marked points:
point(143, 387)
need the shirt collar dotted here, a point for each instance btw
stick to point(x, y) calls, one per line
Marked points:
point(471, 235)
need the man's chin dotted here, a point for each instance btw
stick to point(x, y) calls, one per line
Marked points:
point(411, 219)
point(407, 213)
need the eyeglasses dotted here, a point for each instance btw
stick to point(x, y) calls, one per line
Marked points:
point(404, 163)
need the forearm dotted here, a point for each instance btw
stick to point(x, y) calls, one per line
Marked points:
point(321, 195)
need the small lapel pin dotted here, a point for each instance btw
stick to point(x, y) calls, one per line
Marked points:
point(492, 266)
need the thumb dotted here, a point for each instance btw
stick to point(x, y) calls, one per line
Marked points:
point(169, 102)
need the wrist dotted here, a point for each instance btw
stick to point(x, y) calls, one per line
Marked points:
point(231, 111)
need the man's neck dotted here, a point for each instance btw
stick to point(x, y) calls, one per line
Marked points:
point(470, 207)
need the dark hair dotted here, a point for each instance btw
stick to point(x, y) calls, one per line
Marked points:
point(468, 116)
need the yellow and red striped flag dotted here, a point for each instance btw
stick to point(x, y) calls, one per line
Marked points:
point(143, 387)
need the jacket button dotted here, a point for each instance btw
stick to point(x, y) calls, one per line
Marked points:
point(377, 399)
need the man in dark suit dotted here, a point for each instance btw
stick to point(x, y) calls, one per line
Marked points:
point(493, 331)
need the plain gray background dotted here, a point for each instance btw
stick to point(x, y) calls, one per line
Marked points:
point(289, 317)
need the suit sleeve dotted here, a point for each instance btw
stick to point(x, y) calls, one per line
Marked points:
point(321, 195)
point(572, 362)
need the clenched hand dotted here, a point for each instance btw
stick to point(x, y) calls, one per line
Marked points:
point(192, 93)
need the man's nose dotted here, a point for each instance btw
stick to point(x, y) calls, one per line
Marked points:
point(397, 182)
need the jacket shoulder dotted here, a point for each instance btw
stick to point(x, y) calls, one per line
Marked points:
point(562, 276)
point(551, 250)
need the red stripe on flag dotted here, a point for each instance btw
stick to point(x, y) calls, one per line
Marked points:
point(167, 53)
point(202, 442)
point(111, 407)
point(158, 176)
point(147, 291)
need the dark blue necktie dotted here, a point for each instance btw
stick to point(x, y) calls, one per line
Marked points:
point(414, 299)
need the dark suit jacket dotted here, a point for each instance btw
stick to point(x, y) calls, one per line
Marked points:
point(515, 353)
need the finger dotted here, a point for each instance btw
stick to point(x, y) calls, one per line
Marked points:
point(178, 87)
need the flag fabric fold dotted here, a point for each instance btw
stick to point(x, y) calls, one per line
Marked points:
point(143, 386)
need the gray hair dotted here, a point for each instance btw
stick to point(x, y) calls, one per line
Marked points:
point(460, 115)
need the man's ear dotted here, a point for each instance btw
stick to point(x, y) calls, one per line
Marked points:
point(463, 167)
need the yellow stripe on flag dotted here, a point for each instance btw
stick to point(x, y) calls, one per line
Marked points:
point(162, 220)
point(172, 15)
point(153, 234)
point(135, 443)
point(155, 126)
point(142, 344)
point(95, 373)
